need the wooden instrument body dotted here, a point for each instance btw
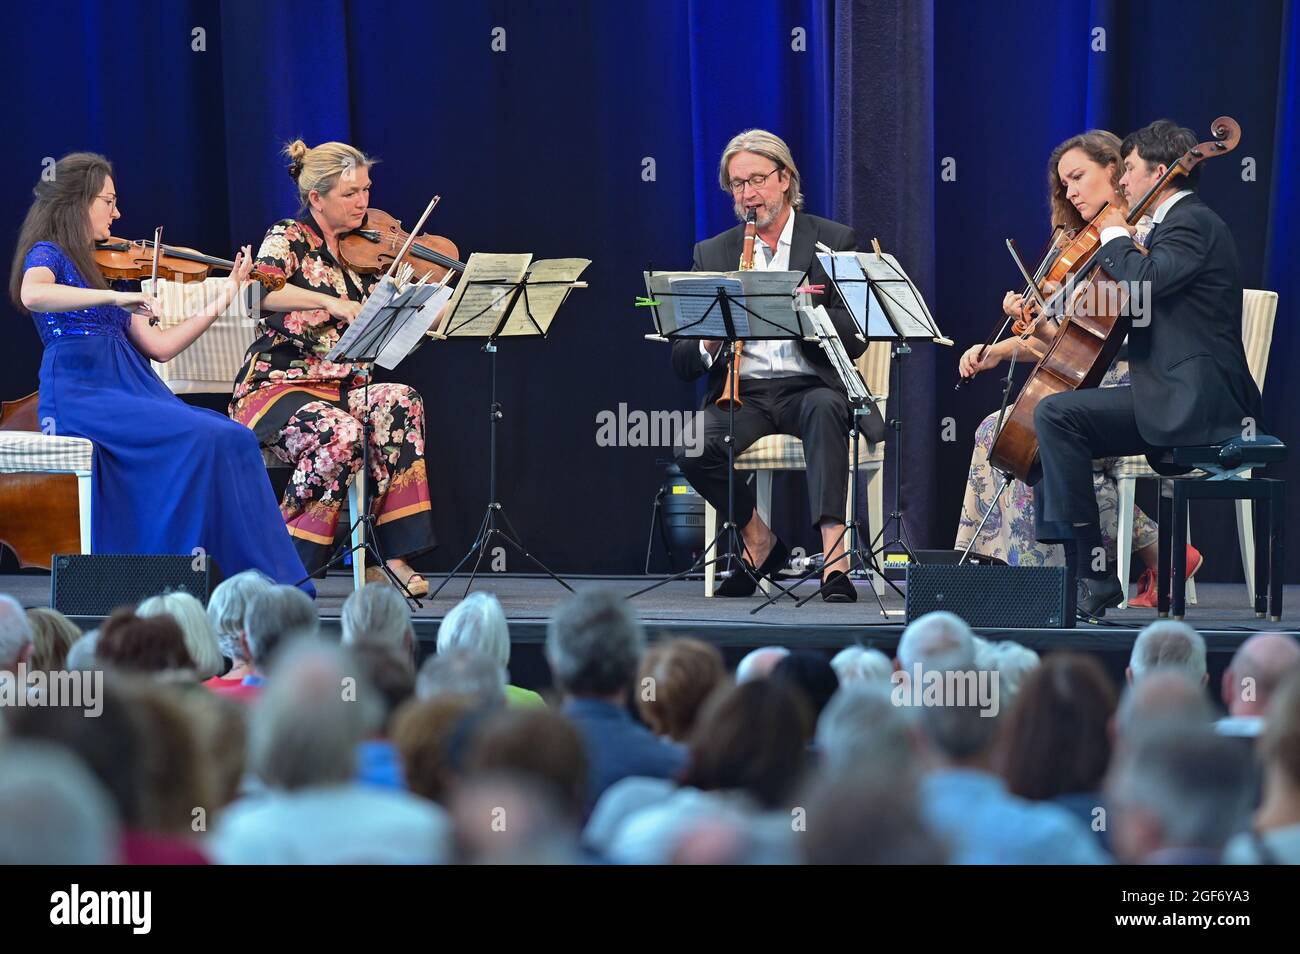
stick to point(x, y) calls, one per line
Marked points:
point(373, 248)
point(39, 514)
point(1080, 354)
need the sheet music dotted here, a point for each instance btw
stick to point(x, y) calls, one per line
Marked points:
point(543, 301)
point(410, 333)
point(897, 308)
point(830, 343)
point(702, 314)
point(380, 296)
point(476, 310)
point(850, 282)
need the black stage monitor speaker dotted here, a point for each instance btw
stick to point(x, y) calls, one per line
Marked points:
point(94, 584)
point(997, 597)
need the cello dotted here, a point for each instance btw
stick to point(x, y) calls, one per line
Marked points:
point(1093, 324)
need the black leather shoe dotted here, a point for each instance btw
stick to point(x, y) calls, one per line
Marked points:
point(1094, 596)
point(741, 584)
point(838, 588)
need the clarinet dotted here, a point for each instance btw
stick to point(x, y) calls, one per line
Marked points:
point(731, 391)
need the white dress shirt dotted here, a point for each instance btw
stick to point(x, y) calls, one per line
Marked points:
point(1114, 231)
point(771, 359)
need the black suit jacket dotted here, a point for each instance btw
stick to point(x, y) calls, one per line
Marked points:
point(1191, 383)
point(722, 254)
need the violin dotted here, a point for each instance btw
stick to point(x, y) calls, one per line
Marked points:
point(372, 248)
point(119, 259)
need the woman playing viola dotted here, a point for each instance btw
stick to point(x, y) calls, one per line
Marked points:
point(1083, 175)
point(307, 409)
point(167, 478)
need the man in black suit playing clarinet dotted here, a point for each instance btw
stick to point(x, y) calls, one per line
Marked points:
point(786, 387)
point(1190, 381)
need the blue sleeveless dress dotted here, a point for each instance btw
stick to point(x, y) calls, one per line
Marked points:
point(168, 477)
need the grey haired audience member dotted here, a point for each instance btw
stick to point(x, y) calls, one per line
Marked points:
point(378, 613)
point(81, 657)
point(1274, 835)
point(759, 663)
point(1176, 793)
point(861, 726)
point(53, 811)
point(273, 620)
point(462, 671)
point(857, 664)
point(15, 634)
point(1163, 695)
point(936, 641)
point(303, 743)
point(593, 644)
point(1013, 662)
point(227, 606)
point(1168, 643)
point(478, 622)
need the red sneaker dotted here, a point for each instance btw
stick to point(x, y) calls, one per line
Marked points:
point(1194, 560)
point(1146, 594)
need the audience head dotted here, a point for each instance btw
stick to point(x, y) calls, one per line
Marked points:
point(15, 634)
point(593, 645)
point(539, 744)
point(752, 739)
point(1163, 695)
point(861, 726)
point(862, 817)
point(81, 656)
point(675, 679)
point(1177, 788)
point(759, 663)
point(936, 641)
point(227, 606)
point(1168, 643)
point(1056, 740)
point(479, 622)
point(273, 620)
point(378, 613)
point(52, 809)
point(1258, 667)
point(152, 645)
point(304, 733)
point(539, 830)
point(424, 732)
point(810, 673)
point(387, 671)
point(462, 671)
point(193, 621)
point(857, 664)
point(1013, 664)
point(1279, 745)
point(53, 634)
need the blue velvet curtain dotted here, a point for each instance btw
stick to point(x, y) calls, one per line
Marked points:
point(595, 132)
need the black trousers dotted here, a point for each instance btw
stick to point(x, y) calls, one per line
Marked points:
point(799, 405)
point(1073, 429)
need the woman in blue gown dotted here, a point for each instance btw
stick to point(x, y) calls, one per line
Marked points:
point(168, 477)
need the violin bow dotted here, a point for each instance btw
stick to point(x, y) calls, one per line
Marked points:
point(153, 280)
point(410, 237)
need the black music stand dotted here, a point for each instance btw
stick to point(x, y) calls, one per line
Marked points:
point(362, 345)
point(723, 313)
point(475, 322)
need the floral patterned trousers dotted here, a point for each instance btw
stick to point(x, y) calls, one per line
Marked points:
point(1009, 532)
point(322, 442)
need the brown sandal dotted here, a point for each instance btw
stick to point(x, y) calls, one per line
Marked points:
point(413, 581)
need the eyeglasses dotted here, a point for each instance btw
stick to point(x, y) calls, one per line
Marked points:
point(755, 180)
point(110, 199)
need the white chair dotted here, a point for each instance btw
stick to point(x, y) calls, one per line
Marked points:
point(781, 452)
point(1259, 310)
point(210, 364)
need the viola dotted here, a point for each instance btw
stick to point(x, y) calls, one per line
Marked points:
point(374, 247)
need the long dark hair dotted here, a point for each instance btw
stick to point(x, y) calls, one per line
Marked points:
point(59, 215)
point(1099, 145)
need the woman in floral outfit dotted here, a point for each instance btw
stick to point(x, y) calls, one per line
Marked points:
point(306, 409)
